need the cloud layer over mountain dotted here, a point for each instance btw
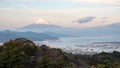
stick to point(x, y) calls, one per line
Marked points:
point(17, 13)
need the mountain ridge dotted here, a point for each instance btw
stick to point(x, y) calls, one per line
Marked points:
point(8, 34)
point(39, 27)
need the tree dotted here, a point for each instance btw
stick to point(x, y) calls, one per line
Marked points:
point(17, 53)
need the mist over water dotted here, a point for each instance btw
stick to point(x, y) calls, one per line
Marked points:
point(71, 41)
point(84, 45)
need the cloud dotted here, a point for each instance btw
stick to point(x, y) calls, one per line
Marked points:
point(85, 19)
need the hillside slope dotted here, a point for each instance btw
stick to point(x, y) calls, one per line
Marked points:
point(23, 53)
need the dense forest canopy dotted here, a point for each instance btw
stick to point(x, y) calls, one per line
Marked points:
point(23, 53)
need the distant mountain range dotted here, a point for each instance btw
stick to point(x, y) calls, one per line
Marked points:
point(7, 35)
point(35, 36)
point(39, 32)
point(106, 30)
point(40, 27)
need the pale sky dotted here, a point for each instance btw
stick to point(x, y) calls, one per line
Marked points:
point(67, 13)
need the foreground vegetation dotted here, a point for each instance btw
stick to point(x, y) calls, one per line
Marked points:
point(23, 53)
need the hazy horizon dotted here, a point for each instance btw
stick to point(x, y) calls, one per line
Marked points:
point(67, 13)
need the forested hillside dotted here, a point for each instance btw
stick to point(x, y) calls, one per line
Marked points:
point(23, 53)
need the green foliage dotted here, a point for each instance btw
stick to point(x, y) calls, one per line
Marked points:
point(23, 53)
point(100, 66)
point(51, 58)
point(47, 63)
point(15, 55)
point(102, 60)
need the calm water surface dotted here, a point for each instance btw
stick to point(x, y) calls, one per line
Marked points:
point(71, 41)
